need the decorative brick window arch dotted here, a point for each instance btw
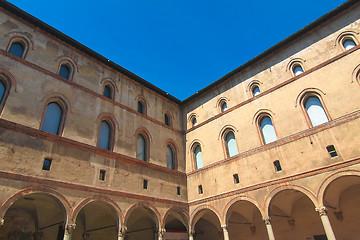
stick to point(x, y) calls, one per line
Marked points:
point(192, 120)
point(106, 118)
point(168, 118)
point(142, 143)
point(296, 67)
point(142, 105)
point(228, 141)
point(170, 145)
point(314, 95)
point(197, 155)
point(108, 88)
point(222, 104)
point(22, 39)
point(254, 88)
point(347, 40)
point(66, 68)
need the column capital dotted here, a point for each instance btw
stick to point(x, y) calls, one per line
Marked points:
point(191, 233)
point(321, 210)
point(223, 226)
point(161, 232)
point(122, 231)
point(267, 220)
point(2, 221)
point(70, 227)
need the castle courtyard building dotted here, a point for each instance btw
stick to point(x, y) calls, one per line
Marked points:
point(89, 150)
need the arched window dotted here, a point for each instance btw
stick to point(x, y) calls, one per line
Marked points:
point(104, 140)
point(167, 119)
point(170, 157)
point(267, 130)
point(297, 69)
point(255, 90)
point(141, 107)
point(52, 118)
point(108, 92)
point(198, 157)
point(230, 144)
point(348, 43)
point(141, 151)
point(2, 91)
point(17, 48)
point(193, 121)
point(315, 111)
point(65, 71)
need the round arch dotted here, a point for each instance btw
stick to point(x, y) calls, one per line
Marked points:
point(181, 211)
point(198, 211)
point(62, 201)
point(282, 188)
point(147, 206)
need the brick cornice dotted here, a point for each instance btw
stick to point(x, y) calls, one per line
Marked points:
point(293, 79)
point(308, 132)
point(84, 147)
point(287, 179)
point(90, 189)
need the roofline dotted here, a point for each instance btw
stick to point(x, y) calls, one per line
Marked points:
point(276, 47)
point(65, 38)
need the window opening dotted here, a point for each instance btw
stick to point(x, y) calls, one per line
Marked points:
point(64, 71)
point(349, 44)
point(277, 166)
point(2, 90)
point(108, 92)
point(315, 111)
point(102, 175)
point(170, 159)
point(17, 49)
point(297, 69)
point(331, 150)
point(141, 107)
point(47, 164)
point(268, 130)
point(236, 178)
point(145, 184)
point(104, 136)
point(141, 152)
point(200, 188)
point(52, 118)
point(256, 91)
point(194, 121)
point(167, 120)
point(178, 190)
point(223, 106)
point(198, 157)
point(231, 146)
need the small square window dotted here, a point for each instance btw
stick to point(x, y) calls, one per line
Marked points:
point(47, 164)
point(200, 188)
point(332, 151)
point(178, 190)
point(236, 178)
point(145, 185)
point(102, 175)
point(277, 166)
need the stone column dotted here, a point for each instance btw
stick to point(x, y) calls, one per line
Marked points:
point(226, 233)
point(122, 232)
point(161, 233)
point(69, 228)
point(269, 228)
point(191, 235)
point(326, 223)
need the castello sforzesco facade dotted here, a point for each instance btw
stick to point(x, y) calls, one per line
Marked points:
point(89, 150)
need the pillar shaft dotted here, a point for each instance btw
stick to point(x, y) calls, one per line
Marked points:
point(269, 229)
point(326, 223)
point(68, 230)
point(226, 233)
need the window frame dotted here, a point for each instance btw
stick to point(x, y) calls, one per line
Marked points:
point(303, 100)
point(64, 109)
point(112, 92)
point(7, 84)
point(168, 115)
point(193, 157)
point(348, 35)
point(174, 152)
point(225, 145)
point(293, 64)
point(221, 104)
point(141, 100)
point(147, 146)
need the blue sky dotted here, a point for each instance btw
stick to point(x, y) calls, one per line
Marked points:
point(180, 46)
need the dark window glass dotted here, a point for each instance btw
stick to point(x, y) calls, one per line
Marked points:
point(145, 185)
point(170, 158)
point(141, 108)
point(193, 121)
point(52, 118)
point(46, 164)
point(108, 92)
point(236, 178)
point(223, 106)
point(178, 190)
point(141, 152)
point(102, 175)
point(2, 91)
point(277, 166)
point(17, 49)
point(64, 71)
point(167, 120)
point(331, 150)
point(104, 136)
point(200, 188)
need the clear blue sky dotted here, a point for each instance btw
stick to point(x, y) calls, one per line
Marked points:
point(180, 46)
